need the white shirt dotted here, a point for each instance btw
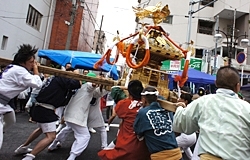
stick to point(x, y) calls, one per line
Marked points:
point(15, 80)
point(78, 108)
point(224, 123)
point(95, 118)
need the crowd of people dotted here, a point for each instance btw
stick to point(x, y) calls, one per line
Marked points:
point(215, 125)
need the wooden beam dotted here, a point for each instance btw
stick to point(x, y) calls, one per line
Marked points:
point(107, 83)
point(58, 72)
point(155, 70)
point(167, 105)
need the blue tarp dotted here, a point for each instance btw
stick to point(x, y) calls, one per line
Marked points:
point(245, 87)
point(196, 76)
point(78, 60)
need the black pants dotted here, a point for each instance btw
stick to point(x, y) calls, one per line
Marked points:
point(22, 103)
point(109, 111)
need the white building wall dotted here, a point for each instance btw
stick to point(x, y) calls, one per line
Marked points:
point(13, 25)
point(89, 16)
point(240, 5)
point(179, 28)
point(179, 9)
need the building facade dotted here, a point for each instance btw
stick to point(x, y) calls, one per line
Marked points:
point(29, 23)
point(99, 42)
point(87, 31)
point(67, 24)
point(73, 25)
point(203, 23)
point(207, 17)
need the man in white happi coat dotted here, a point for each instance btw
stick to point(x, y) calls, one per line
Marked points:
point(75, 116)
point(222, 119)
point(95, 118)
point(15, 79)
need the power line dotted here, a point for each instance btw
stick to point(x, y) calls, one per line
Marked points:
point(91, 15)
point(87, 42)
point(232, 6)
point(12, 12)
point(89, 19)
point(10, 17)
point(242, 5)
point(46, 3)
point(22, 29)
point(226, 3)
point(94, 21)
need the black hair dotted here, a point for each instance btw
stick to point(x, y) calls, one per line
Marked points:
point(187, 97)
point(185, 89)
point(101, 74)
point(150, 98)
point(67, 63)
point(25, 52)
point(227, 77)
point(134, 89)
point(70, 69)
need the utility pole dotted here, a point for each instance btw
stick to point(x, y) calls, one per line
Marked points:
point(232, 37)
point(190, 16)
point(216, 44)
point(71, 24)
point(99, 34)
point(190, 13)
point(208, 55)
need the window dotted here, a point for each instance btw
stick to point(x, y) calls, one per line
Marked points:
point(205, 2)
point(169, 19)
point(34, 18)
point(4, 43)
point(205, 27)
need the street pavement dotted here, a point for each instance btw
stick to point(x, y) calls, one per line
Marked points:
point(19, 132)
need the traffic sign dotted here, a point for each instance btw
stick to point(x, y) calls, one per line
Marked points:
point(241, 57)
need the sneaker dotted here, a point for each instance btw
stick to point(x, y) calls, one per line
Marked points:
point(29, 157)
point(59, 144)
point(54, 145)
point(23, 150)
point(107, 128)
point(110, 146)
point(92, 130)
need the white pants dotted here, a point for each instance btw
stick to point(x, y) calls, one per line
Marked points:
point(47, 127)
point(5, 122)
point(81, 135)
point(104, 136)
point(196, 150)
point(59, 112)
point(185, 141)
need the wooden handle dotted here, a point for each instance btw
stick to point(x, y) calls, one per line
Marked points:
point(167, 105)
point(58, 72)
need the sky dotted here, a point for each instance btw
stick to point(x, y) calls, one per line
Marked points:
point(118, 15)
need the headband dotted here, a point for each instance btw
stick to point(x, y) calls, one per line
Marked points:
point(150, 93)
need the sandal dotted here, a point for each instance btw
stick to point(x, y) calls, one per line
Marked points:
point(30, 120)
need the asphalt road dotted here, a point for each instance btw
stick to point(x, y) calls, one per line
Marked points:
point(20, 131)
